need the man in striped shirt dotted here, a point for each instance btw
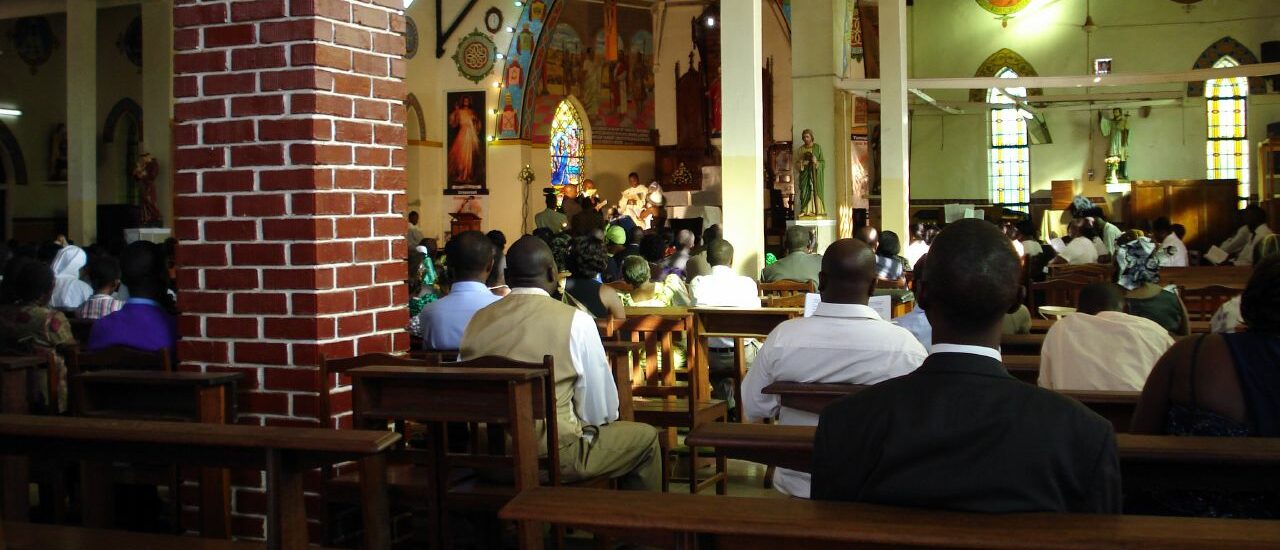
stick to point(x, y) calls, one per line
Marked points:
point(104, 273)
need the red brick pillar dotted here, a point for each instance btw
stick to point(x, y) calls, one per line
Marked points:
point(288, 199)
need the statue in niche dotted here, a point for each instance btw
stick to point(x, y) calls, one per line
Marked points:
point(1116, 127)
point(809, 168)
point(145, 171)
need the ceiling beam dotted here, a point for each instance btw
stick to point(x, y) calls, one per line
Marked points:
point(971, 83)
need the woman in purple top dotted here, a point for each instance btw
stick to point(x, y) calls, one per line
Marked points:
point(145, 322)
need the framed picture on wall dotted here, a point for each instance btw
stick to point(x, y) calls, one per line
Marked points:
point(465, 148)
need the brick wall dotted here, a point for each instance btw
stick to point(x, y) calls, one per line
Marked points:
point(288, 199)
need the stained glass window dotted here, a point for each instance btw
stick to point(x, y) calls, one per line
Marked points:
point(1008, 153)
point(568, 145)
point(1227, 147)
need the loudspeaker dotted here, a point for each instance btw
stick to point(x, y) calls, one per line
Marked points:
point(1271, 54)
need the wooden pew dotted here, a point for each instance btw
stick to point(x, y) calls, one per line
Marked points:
point(1201, 276)
point(738, 324)
point(1023, 367)
point(15, 373)
point(1115, 406)
point(1147, 461)
point(1021, 344)
point(36, 536)
point(689, 521)
point(208, 398)
point(286, 454)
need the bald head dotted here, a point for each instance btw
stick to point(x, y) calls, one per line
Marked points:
point(848, 273)
point(1099, 297)
point(530, 264)
point(868, 235)
point(970, 281)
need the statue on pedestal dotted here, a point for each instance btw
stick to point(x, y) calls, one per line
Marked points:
point(145, 171)
point(1116, 127)
point(809, 183)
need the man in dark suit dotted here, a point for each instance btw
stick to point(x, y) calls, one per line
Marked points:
point(960, 433)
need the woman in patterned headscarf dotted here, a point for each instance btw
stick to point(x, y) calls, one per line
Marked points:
point(1138, 271)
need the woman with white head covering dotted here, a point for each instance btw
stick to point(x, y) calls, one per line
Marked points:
point(69, 292)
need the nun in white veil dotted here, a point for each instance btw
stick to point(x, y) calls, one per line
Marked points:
point(69, 292)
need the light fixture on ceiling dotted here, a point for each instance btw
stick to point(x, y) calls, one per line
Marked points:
point(711, 21)
point(10, 112)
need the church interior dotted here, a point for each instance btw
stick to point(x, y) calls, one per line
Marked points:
point(273, 273)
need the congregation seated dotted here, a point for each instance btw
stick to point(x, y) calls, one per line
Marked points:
point(698, 264)
point(1173, 252)
point(1100, 347)
point(69, 292)
point(1080, 248)
point(145, 322)
point(669, 292)
point(960, 432)
point(917, 247)
point(679, 259)
point(916, 321)
point(1223, 385)
point(528, 324)
point(104, 273)
point(1138, 271)
point(653, 248)
point(1242, 244)
point(422, 286)
point(1227, 318)
point(724, 288)
point(583, 289)
point(890, 266)
point(844, 342)
point(27, 322)
point(800, 263)
point(471, 256)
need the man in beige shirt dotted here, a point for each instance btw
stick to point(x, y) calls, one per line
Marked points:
point(1100, 347)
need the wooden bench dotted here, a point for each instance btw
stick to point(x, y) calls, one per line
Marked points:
point(1021, 344)
point(1236, 277)
point(1041, 326)
point(286, 454)
point(1115, 406)
point(15, 376)
point(35, 536)
point(739, 325)
point(1147, 461)
point(688, 521)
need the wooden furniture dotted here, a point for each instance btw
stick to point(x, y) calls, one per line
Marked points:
point(1147, 461)
point(1207, 208)
point(792, 302)
point(1041, 326)
point(81, 329)
point(469, 392)
point(1021, 344)
point(687, 521)
point(661, 400)
point(1084, 272)
point(1115, 406)
point(1203, 302)
point(1063, 291)
point(620, 354)
point(15, 371)
point(1230, 276)
point(208, 398)
point(1268, 187)
point(462, 221)
point(286, 454)
point(1023, 367)
point(739, 325)
point(785, 287)
point(119, 358)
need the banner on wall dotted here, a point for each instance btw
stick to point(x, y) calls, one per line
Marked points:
point(465, 148)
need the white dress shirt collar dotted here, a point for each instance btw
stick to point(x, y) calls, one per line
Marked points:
point(972, 350)
point(722, 270)
point(859, 311)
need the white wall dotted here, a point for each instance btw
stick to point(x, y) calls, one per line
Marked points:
point(952, 39)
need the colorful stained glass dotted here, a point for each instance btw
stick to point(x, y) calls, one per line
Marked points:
point(568, 145)
point(1008, 154)
point(1227, 147)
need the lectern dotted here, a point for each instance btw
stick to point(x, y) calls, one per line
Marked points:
point(463, 221)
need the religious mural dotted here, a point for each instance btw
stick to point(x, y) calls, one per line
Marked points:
point(575, 41)
point(465, 150)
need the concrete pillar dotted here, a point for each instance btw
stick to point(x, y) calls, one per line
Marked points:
point(817, 60)
point(157, 97)
point(82, 121)
point(742, 147)
point(289, 200)
point(895, 178)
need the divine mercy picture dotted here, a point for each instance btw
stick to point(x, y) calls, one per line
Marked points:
point(466, 148)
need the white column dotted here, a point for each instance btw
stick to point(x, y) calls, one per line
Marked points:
point(895, 189)
point(82, 121)
point(157, 97)
point(742, 145)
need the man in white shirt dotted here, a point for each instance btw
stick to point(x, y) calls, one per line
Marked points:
point(1081, 249)
point(414, 235)
point(723, 288)
point(1100, 347)
point(844, 342)
point(1256, 220)
point(1172, 252)
point(528, 324)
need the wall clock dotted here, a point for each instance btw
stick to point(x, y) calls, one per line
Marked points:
point(474, 56)
point(493, 20)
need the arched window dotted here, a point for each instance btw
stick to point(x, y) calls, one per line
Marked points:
point(1008, 153)
point(1227, 147)
point(568, 145)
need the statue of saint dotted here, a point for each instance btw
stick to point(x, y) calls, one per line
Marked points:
point(1116, 127)
point(809, 167)
point(145, 171)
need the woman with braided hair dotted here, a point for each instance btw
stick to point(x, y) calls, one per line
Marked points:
point(1225, 385)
